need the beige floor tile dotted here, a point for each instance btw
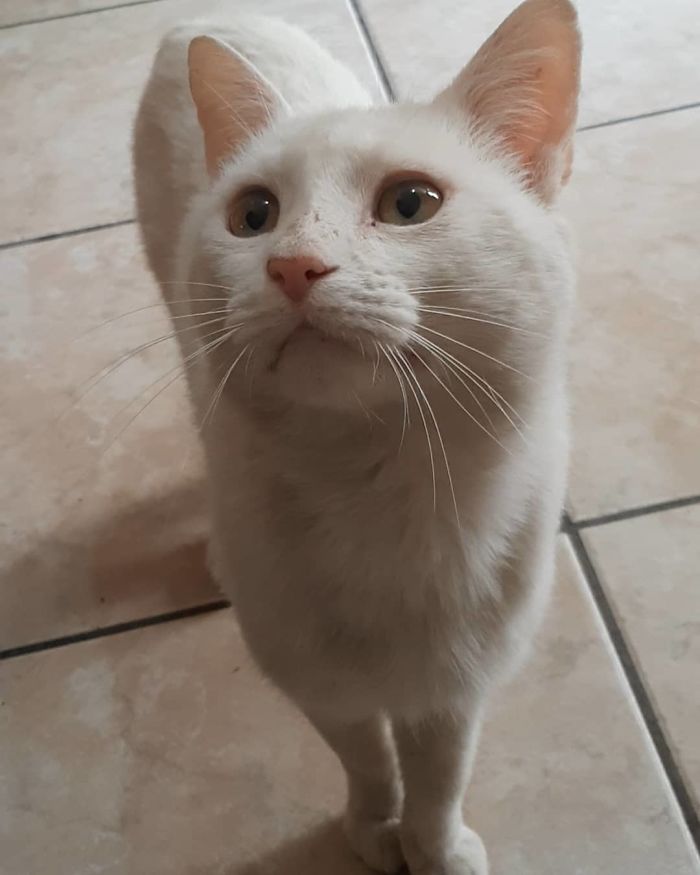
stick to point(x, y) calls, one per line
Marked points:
point(650, 567)
point(69, 92)
point(634, 204)
point(162, 751)
point(639, 55)
point(18, 11)
point(104, 527)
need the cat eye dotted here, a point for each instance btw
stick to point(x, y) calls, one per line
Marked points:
point(254, 212)
point(408, 202)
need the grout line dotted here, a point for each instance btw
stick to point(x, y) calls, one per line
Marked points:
point(72, 233)
point(640, 116)
point(636, 684)
point(633, 512)
point(116, 629)
point(78, 13)
point(375, 56)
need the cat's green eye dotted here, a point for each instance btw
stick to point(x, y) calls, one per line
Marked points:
point(254, 212)
point(408, 202)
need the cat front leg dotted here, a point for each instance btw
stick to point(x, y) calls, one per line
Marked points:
point(367, 752)
point(436, 757)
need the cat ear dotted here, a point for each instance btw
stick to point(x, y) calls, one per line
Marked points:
point(522, 85)
point(234, 102)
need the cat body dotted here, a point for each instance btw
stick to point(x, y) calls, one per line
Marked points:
point(386, 431)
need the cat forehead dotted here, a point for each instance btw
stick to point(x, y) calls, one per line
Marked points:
point(355, 143)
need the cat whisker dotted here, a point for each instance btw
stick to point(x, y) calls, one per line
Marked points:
point(216, 397)
point(452, 311)
point(121, 431)
point(221, 311)
point(96, 379)
point(375, 367)
point(498, 400)
point(485, 314)
point(247, 361)
point(406, 414)
point(252, 375)
point(362, 406)
point(179, 370)
point(229, 289)
point(108, 370)
point(444, 359)
point(481, 382)
point(457, 401)
point(417, 291)
point(159, 305)
point(478, 352)
point(151, 343)
point(438, 433)
point(405, 368)
point(468, 371)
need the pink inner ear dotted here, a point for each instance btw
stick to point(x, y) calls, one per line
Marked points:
point(523, 84)
point(233, 102)
point(548, 121)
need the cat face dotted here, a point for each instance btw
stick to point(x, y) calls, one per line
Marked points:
point(420, 244)
point(367, 253)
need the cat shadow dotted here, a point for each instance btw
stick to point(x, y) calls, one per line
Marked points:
point(154, 543)
point(147, 556)
point(322, 850)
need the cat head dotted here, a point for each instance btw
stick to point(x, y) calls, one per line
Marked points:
point(369, 255)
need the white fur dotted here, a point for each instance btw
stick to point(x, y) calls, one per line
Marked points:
point(360, 596)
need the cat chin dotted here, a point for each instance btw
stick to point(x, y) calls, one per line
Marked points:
point(321, 371)
point(309, 344)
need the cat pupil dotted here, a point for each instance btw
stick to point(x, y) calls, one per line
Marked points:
point(257, 215)
point(408, 203)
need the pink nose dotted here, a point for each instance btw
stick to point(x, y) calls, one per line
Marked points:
point(295, 276)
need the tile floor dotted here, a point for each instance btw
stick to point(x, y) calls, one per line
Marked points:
point(135, 735)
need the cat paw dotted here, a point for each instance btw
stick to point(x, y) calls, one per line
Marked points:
point(376, 843)
point(467, 857)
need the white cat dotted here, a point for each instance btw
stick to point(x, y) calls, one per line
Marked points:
point(373, 302)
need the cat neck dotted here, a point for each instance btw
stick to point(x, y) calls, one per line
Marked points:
point(354, 446)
